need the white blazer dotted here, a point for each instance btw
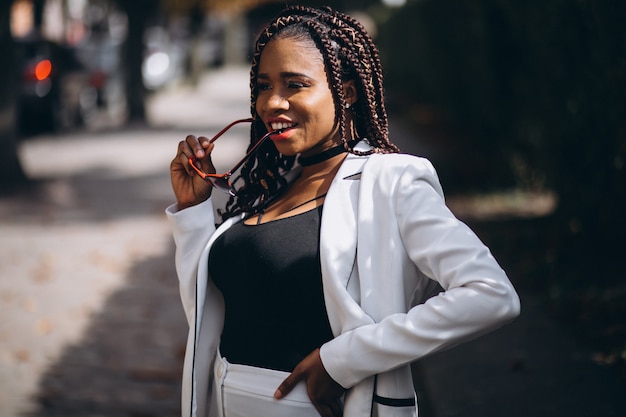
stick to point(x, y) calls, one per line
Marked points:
point(388, 245)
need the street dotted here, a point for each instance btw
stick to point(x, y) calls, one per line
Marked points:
point(91, 320)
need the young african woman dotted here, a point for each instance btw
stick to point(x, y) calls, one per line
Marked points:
point(336, 263)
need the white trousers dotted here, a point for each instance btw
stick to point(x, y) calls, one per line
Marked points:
point(248, 391)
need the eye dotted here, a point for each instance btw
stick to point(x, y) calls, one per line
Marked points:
point(296, 85)
point(263, 86)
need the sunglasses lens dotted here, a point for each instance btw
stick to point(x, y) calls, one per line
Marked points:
point(223, 184)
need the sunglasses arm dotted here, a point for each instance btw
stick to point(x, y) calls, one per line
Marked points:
point(221, 132)
point(192, 163)
point(252, 150)
point(192, 160)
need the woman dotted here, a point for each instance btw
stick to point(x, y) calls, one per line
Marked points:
point(337, 263)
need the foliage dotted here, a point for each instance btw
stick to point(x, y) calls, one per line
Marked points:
point(539, 85)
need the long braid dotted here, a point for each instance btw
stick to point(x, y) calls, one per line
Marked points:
point(370, 74)
point(349, 54)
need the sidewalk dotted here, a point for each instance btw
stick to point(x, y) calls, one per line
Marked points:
point(91, 321)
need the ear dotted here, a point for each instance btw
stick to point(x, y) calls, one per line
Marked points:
point(349, 92)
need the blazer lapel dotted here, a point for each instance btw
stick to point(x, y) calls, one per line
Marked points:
point(338, 245)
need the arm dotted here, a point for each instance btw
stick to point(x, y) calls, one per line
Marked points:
point(191, 218)
point(191, 228)
point(478, 295)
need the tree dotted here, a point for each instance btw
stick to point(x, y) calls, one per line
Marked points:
point(11, 172)
point(138, 13)
point(538, 89)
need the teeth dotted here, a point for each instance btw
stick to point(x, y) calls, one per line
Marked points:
point(281, 125)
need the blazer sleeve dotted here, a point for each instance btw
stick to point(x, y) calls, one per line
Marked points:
point(477, 295)
point(192, 229)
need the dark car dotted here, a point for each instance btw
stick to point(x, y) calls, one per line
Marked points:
point(55, 90)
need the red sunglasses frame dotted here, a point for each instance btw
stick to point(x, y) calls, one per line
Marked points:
point(222, 181)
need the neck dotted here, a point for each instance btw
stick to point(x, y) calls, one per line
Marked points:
point(306, 161)
point(323, 171)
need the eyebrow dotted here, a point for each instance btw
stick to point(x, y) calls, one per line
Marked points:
point(286, 74)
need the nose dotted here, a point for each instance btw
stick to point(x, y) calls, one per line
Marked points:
point(275, 103)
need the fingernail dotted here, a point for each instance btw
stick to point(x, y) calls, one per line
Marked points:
point(278, 395)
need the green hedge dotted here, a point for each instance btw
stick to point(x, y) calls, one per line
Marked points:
point(537, 86)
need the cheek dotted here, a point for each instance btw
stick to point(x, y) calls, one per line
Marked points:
point(324, 107)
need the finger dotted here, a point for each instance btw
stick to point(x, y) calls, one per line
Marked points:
point(287, 385)
point(195, 146)
point(182, 157)
point(184, 149)
point(204, 141)
point(208, 148)
point(328, 410)
point(336, 408)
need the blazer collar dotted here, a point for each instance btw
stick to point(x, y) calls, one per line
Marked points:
point(338, 244)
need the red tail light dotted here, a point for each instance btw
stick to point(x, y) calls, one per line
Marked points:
point(43, 69)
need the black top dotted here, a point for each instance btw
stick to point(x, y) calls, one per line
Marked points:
point(270, 277)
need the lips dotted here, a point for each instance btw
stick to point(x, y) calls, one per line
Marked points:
point(282, 134)
point(284, 128)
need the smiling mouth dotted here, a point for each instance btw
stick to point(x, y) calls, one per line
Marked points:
point(281, 125)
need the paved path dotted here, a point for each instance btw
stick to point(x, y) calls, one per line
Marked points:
point(91, 322)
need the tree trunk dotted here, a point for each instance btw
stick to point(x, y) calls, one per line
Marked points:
point(11, 173)
point(138, 12)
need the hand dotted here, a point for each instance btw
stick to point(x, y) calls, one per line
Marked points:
point(324, 392)
point(189, 188)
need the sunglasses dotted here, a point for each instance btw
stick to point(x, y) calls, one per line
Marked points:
point(222, 181)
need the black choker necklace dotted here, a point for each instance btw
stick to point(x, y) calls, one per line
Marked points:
point(306, 161)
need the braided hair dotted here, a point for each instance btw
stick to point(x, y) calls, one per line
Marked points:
point(349, 54)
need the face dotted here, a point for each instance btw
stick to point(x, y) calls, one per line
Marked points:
point(293, 92)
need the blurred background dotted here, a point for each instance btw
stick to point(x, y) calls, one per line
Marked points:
point(520, 105)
